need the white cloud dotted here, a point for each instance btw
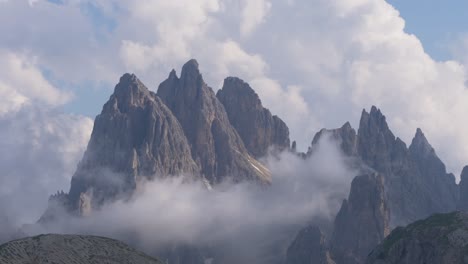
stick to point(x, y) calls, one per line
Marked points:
point(245, 218)
point(39, 146)
point(252, 15)
point(21, 83)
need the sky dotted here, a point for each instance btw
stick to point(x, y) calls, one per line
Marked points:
point(315, 63)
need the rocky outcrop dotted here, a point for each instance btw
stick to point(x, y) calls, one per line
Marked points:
point(135, 136)
point(309, 247)
point(362, 222)
point(215, 145)
point(345, 136)
point(441, 186)
point(68, 249)
point(463, 190)
point(441, 238)
point(416, 181)
point(257, 127)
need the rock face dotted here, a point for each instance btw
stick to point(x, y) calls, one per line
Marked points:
point(463, 187)
point(416, 180)
point(257, 127)
point(362, 222)
point(309, 247)
point(135, 136)
point(440, 185)
point(346, 136)
point(216, 146)
point(68, 249)
point(441, 238)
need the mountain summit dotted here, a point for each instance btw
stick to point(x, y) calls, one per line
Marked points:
point(182, 130)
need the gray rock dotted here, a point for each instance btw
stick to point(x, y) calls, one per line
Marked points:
point(257, 127)
point(136, 136)
point(70, 249)
point(362, 222)
point(441, 238)
point(309, 247)
point(216, 146)
point(463, 187)
point(416, 181)
point(345, 136)
point(441, 186)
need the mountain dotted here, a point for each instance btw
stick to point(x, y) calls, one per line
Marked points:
point(441, 238)
point(258, 128)
point(182, 130)
point(463, 190)
point(362, 222)
point(345, 136)
point(186, 130)
point(400, 185)
point(309, 247)
point(136, 136)
point(417, 186)
point(70, 249)
point(215, 144)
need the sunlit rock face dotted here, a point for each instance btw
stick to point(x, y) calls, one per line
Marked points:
point(135, 136)
point(215, 144)
point(259, 129)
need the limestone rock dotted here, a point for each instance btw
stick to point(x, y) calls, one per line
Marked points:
point(309, 247)
point(415, 188)
point(69, 249)
point(441, 238)
point(463, 189)
point(440, 185)
point(135, 136)
point(362, 222)
point(257, 127)
point(216, 146)
point(345, 136)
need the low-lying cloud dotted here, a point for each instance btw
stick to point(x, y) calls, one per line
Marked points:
point(246, 219)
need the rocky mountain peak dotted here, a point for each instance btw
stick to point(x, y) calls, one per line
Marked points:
point(216, 146)
point(421, 145)
point(135, 136)
point(129, 91)
point(236, 86)
point(190, 72)
point(376, 143)
point(258, 128)
point(345, 136)
point(363, 220)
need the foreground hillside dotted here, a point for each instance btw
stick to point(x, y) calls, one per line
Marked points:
point(441, 238)
point(68, 249)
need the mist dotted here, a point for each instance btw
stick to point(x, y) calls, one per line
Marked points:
point(246, 220)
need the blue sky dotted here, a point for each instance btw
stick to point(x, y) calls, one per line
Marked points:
point(436, 23)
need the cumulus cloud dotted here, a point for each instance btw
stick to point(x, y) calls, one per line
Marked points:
point(21, 83)
point(39, 146)
point(253, 14)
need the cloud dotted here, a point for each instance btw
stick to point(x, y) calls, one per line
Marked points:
point(253, 14)
point(39, 146)
point(330, 59)
point(242, 217)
